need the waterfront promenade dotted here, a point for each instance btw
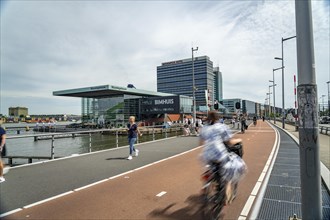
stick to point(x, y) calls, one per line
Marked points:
point(162, 183)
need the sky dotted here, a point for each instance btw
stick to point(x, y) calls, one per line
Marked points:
point(48, 46)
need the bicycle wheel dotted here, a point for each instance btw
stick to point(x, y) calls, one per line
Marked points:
point(214, 201)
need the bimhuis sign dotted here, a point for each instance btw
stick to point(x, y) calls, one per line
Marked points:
point(158, 105)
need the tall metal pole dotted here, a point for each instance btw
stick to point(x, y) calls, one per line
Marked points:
point(295, 102)
point(323, 104)
point(194, 88)
point(269, 109)
point(274, 92)
point(283, 108)
point(277, 58)
point(274, 109)
point(307, 110)
point(328, 99)
point(274, 112)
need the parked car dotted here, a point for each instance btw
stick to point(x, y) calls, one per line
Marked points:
point(324, 120)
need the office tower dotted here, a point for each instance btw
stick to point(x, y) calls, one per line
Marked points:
point(176, 77)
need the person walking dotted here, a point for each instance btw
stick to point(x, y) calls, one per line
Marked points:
point(243, 123)
point(133, 131)
point(2, 153)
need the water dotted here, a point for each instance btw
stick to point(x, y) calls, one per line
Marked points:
point(64, 146)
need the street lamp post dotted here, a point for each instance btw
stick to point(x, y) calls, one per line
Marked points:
point(309, 146)
point(282, 58)
point(194, 87)
point(269, 93)
point(322, 105)
point(328, 99)
point(274, 109)
point(274, 92)
point(266, 99)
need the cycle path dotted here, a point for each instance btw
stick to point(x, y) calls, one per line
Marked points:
point(169, 189)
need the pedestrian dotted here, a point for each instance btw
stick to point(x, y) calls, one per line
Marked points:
point(199, 125)
point(233, 121)
point(243, 123)
point(2, 153)
point(214, 136)
point(186, 129)
point(133, 131)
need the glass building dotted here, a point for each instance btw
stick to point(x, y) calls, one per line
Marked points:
point(176, 77)
point(218, 89)
point(113, 105)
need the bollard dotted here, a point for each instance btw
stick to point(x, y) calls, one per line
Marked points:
point(35, 138)
point(53, 148)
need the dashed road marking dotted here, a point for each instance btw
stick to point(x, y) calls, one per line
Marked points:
point(161, 194)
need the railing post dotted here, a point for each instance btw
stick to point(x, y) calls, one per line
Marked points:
point(90, 142)
point(117, 139)
point(165, 132)
point(53, 148)
point(153, 134)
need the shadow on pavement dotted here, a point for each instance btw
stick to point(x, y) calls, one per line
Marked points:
point(192, 211)
point(117, 158)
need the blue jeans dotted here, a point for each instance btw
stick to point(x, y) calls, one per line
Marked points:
point(131, 142)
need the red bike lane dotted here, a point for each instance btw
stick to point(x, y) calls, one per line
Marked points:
point(169, 189)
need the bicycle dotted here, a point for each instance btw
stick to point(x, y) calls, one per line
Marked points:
point(215, 190)
point(214, 193)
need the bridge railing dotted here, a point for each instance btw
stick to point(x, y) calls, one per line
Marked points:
point(61, 144)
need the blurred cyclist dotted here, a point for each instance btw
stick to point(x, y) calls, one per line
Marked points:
point(214, 136)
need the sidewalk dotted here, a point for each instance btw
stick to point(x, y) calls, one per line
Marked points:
point(324, 141)
point(282, 195)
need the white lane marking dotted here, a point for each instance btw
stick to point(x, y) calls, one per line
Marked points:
point(247, 206)
point(92, 184)
point(256, 189)
point(161, 194)
point(11, 212)
point(46, 200)
point(119, 175)
point(260, 186)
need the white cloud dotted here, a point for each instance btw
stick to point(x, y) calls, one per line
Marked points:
point(50, 45)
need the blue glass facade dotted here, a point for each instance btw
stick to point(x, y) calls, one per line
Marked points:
point(176, 77)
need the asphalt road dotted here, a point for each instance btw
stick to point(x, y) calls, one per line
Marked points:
point(169, 189)
point(30, 184)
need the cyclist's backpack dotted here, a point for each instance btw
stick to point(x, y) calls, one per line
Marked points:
point(237, 149)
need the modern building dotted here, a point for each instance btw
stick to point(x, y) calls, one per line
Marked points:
point(247, 107)
point(113, 105)
point(176, 77)
point(218, 88)
point(18, 111)
point(230, 105)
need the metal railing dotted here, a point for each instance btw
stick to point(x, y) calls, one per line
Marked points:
point(90, 141)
